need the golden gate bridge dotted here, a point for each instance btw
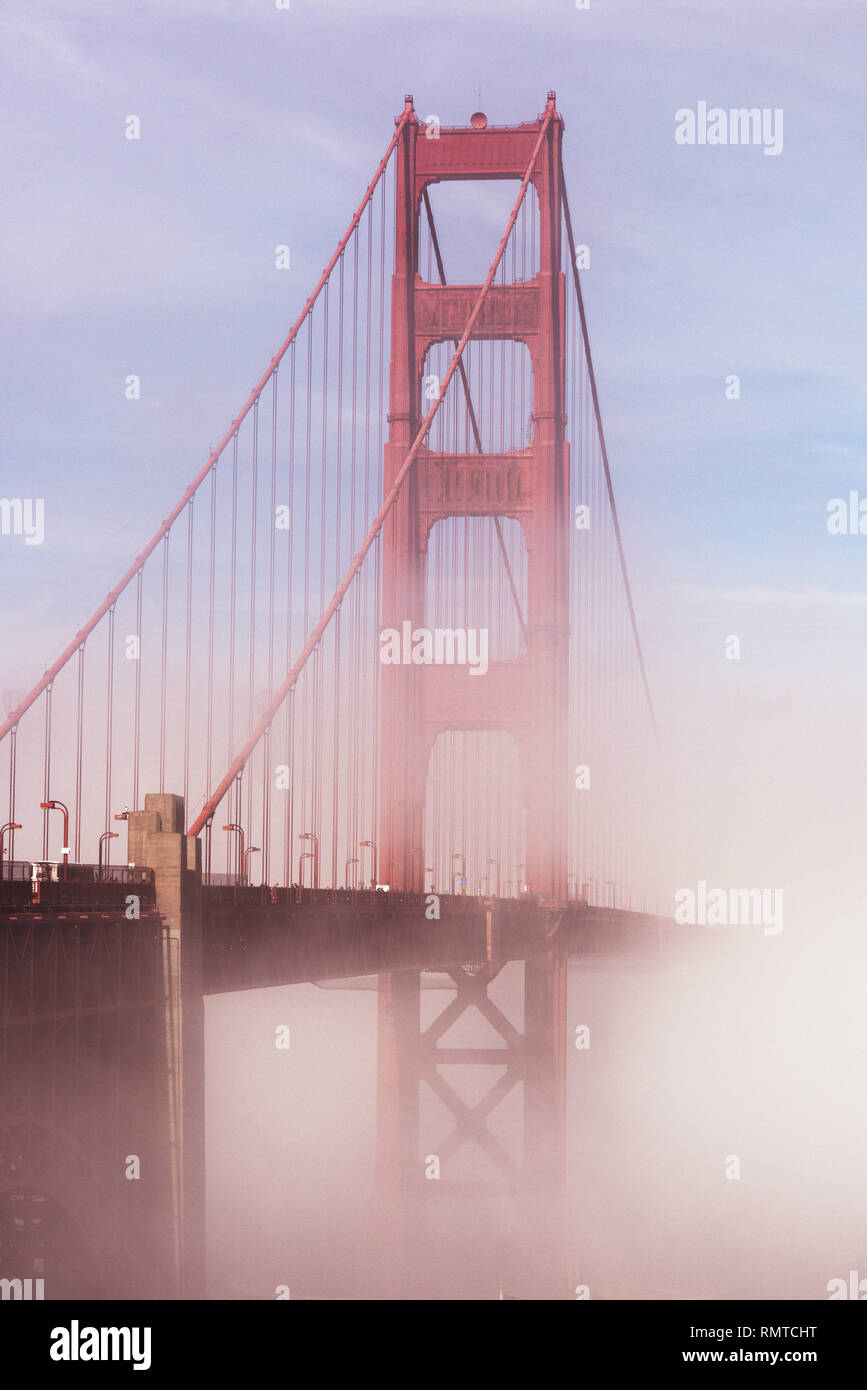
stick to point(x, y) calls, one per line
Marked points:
point(371, 700)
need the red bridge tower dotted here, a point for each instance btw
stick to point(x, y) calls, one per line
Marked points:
point(525, 696)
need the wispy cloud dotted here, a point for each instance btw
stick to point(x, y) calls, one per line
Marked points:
point(756, 595)
point(49, 40)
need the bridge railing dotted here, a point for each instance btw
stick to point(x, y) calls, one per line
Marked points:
point(220, 891)
point(18, 871)
point(37, 885)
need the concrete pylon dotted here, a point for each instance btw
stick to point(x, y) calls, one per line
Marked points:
point(157, 841)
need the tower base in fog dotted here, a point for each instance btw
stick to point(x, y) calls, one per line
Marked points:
point(471, 1211)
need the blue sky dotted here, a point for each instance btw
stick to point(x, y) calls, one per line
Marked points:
point(260, 126)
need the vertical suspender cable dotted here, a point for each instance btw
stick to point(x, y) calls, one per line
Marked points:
point(13, 761)
point(164, 658)
point(376, 606)
point(335, 696)
point(46, 769)
point(230, 726)
point(254, 489)
point(355, 669)
point(109, 720)
point(136, 733)
point(188, 662)
point(79, 748)
point(233, 580)
point(267, 772)
point(209, 729)
point(289, 777)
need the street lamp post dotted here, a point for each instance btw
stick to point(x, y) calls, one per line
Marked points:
point(354, 876)
point(209, 825)
point(13, 826)
point(370, 844)
point(308, 854)
point(496, 864)
point(254, 849)
point(314, 855)
point(106, 835)
point(124, 815)
point(233, 825)
point(59, 806)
